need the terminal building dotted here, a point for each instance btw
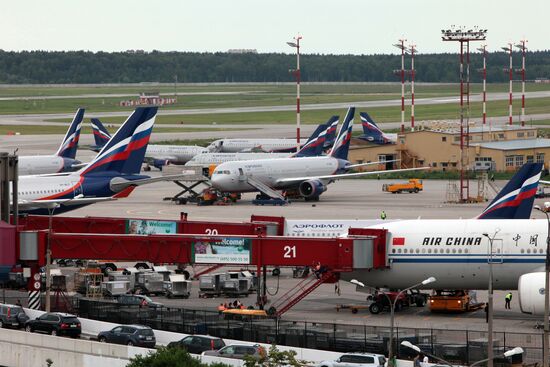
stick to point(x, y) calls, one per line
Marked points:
point(498, 149)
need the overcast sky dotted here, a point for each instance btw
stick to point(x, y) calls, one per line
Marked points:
point(327, 26)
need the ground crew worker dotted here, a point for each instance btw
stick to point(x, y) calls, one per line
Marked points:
point(383, 215)
point(508, 299)
point(221, 308)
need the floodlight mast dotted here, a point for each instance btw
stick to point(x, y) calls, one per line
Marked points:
point(521, 71)
point(509, 49)
point(296, 45)
point(458, 34)
point(401, 46)
point(412, 49)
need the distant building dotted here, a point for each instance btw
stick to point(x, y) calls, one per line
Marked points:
point(149, 98)
point(499, 149)
point(242, 51)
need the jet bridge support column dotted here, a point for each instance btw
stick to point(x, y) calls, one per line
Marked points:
point(8, 173)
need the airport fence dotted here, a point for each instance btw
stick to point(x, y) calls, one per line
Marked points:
point(456, 346)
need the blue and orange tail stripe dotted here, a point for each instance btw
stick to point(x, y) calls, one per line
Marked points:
point(515, 200)
point(69, 145)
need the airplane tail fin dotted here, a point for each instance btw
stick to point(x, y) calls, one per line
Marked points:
point(101, 135)
point(314, 145)
point(332, 124)
point(371, 131)
point(125, 152)
point(515, 200)
point(341, 145)
point(69, 145)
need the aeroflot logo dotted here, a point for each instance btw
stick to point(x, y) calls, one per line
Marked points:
point(452, 241)
point(318, 226)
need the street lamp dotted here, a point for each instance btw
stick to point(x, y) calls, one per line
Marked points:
point(296, 45)
point(546, 340)
point(490, 308)
point(507, 354)
point(392, 309)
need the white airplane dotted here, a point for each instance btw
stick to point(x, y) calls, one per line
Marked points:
point(307, 176)
point(457, 252)
point(112, 174)
point(157, 155)
point(313, 147)
point(254, 145)
point(63, 160)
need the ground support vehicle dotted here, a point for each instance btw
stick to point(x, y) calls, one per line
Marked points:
point(177, 286)
point(453, 301)
point(413, 186)
point(115, 287)
point(210, 285)
point(380, 301)
point(148, 282)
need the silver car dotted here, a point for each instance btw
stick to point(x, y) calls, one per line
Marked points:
point(356, 360)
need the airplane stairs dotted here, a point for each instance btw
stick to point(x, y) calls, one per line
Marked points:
point(299, 292)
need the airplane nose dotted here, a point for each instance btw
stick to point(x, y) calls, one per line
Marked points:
point(217, 181)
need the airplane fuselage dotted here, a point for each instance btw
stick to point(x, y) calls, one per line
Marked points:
point(175, 154)
point(206, 159)
point(243, 145)
point(455, 252)
point(44, 164)
point(232, 176)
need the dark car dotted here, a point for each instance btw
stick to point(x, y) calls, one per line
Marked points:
point(198, 343)
point(238, 351)
point(138, 335)
point(12, 316)
point(55, 323)
point(137, 300)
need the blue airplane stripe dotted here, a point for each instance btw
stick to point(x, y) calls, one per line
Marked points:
point(467, 261)
point(461, 255)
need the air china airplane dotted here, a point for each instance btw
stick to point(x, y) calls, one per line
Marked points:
point(113, 173)
point(308, 176)
point(313, 147)
point(372, 133)
point(63, 160)
point(457, 252)
point(156, 155)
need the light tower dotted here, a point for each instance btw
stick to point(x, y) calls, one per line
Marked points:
point(509, 49)
point(483, 50)
point(457, 34)
point(412, 48)
point(521, 71)
point(401, 46)
point(296, 45)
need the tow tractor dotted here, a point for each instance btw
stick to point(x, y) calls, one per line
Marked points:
point(413, 186)
point(454, 301)
point(379, 302)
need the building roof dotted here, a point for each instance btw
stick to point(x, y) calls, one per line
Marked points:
point(515, 144)
point(484, 129)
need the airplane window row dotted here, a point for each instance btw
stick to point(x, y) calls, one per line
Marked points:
point(429, 251)
point(39, 192)
point(225, 172)
point(540, 251)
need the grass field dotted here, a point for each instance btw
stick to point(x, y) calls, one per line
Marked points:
point(35, 129)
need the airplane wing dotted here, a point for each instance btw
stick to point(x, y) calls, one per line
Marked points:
point(121, 184)
point(371, 163)
point(45, 204)
point(346, 175)
point(151, 159)
point(544, 182)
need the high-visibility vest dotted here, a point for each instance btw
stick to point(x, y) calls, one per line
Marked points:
point(509, 296)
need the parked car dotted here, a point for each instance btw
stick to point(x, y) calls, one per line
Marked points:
point(12, 316)
point(55, 323)
point(198, 343)
point(137, 299)
point(138, 335)
point(238, 351)
point(356, 360)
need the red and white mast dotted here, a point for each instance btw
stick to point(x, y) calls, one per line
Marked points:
point(401, 45)
point(412, 48)
point(523, 49)
point(296, 45)
point(510, 73)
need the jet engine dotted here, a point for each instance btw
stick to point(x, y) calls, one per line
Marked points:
point(159, 163)
point(531, 293)
point(311, 189)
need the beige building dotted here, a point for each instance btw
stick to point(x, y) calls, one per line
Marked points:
point(501, 149)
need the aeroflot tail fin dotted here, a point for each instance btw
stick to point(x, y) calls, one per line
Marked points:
point(314, 145)
point(125, 151)
point(69, 145)
point(371, 131)
point(332, 124)
point(515, 200)
point(101, 135)
point(341, 145)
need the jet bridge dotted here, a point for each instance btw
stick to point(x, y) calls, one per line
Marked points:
point(361, 251)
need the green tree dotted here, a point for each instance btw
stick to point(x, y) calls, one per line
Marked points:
point(274, 358)
point(169, 357)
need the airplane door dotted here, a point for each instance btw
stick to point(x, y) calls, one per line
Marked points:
point(241, 174)
point(78, 190)
point(497, 257)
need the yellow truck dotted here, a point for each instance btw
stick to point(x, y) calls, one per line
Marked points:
point(414, 185)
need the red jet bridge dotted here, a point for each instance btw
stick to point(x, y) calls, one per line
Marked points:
point(364, 249)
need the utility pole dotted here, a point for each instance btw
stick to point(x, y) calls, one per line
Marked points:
point(521, 71)
point(412, 48)
point(296, 45)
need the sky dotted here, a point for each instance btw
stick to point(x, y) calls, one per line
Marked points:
point(327, 27)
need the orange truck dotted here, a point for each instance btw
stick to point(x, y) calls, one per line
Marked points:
point(414, 185)
point(453, 301)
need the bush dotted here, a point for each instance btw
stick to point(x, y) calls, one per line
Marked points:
point(169, 357)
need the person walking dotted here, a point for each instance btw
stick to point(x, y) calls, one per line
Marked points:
point(508, 299)
point(383, 215)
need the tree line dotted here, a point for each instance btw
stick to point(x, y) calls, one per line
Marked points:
point(56, 67)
